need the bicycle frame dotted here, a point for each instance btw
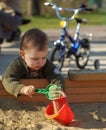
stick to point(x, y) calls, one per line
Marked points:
point(75, 41)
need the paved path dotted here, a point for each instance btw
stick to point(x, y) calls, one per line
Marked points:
point(98, 48)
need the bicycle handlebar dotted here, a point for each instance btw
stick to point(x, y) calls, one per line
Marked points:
point(74, 10)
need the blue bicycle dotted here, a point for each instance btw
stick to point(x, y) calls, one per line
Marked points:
point(79, 48)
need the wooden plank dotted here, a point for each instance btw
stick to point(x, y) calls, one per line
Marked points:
point(1, 86)
point(86, 75)
point(86, 90)
point(36, 99)
point(71, 91)
point(87, 98)
point(3, 92)
point(74, 98)
point(82, 83)
point(39, 83)
point(43, 82)
point(68, 83)
point(76, 91)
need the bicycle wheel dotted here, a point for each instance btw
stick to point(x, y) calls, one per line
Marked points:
point(83, 57)
point(56, 57)
point(96, 64)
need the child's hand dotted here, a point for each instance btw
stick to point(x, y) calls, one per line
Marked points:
point(27, 90)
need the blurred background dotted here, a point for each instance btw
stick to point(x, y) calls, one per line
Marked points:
point(44, 17)
point(36, 7)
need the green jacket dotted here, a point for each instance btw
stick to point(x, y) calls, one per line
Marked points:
point(18, 70)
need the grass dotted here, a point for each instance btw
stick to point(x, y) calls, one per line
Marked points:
point(52, 22)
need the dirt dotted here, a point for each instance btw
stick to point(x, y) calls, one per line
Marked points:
point(15, 115)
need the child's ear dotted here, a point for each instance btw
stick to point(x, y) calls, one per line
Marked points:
point(21, 53)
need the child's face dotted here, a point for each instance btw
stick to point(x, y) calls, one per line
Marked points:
point(34, 59)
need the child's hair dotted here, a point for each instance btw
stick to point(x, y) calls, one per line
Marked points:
point(34, 38)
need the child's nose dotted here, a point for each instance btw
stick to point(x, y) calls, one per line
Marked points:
point(40, 62)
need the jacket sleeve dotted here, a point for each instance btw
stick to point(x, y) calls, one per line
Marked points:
point(53, 75)
point(11, 78)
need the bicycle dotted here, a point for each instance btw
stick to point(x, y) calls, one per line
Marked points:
point(80, 48)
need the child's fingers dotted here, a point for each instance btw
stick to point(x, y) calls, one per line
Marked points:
point(31, 91)
point(56, 94)
point(61, 93)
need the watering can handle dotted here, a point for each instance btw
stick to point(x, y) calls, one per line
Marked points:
point(43, 91)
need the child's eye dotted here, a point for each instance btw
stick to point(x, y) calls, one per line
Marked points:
point(34, 59)
point(44, 58)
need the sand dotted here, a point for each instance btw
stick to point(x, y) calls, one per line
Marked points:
point(15, 115)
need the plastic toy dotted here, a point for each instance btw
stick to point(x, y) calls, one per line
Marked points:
point(64, 114)
point(51, 91)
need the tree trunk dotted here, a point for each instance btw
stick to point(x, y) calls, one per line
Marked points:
point(36, 7)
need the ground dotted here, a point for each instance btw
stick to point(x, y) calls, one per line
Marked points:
point(15, 115)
